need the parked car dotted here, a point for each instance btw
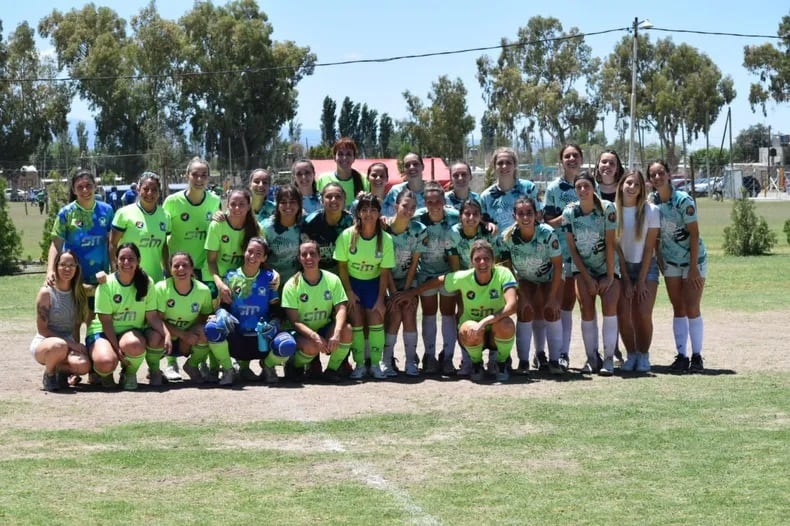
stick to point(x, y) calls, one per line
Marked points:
point(14, 195)
point(752, 185)
point(701, 186)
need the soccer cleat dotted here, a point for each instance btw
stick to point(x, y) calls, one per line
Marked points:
point(503, 375)
point(107, 381)
point(629, 365)
point(129, 382)
point(212, 376)
point(359, 372)
point(493, 368)
point(555, 367)
point(412, 369)
point(389, 369)
point(62, 378)
point(523, 367)
point(465, 371)
point(293, 373)
point(246, 375)
point(618, 357)
point(172, 373)
point(194, 373)
point(377, 373)
point(564, 362)
point(94, 378)
point(643, 362)
point(430, 365)
point(680, 365)
point(477, 372)
point(539, 362)
point(228, 376)
point(696, 365)
point(332, 376)
point(50, 382)
point(448, 369)
point(607, 369)
point(345, 368)
point(155, 378)
point(269, 375)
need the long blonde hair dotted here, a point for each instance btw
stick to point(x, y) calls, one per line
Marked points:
point(641, 203)
point(78, 290)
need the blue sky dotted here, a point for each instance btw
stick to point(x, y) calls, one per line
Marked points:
point(357, 29)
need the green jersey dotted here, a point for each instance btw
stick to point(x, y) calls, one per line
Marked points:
point(146, 230)
point(348, 185)
point(189, 225)
point(182, 310)
point(226, 241)
point(480, 300)
point(364, 257)
point(314, 303)
point(119, 300)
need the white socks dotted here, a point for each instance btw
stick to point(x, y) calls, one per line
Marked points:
point(610, 335)
point(523, 339)
point(590, 338)
point(554, 338)
point(410, 346)
point(680, 328)
point(695, 332)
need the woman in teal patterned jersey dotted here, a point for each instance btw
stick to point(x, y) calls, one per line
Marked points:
point(282, 232)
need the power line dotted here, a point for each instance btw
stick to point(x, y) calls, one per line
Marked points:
point(377, 60)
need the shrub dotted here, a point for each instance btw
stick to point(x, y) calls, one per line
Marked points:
point(787, 230)
point(10, 241)
point(57, 194)
point(748, 235)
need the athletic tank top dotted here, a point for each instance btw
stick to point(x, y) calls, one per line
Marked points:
point(62, 312)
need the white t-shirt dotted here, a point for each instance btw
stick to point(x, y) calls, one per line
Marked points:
point(632, 247)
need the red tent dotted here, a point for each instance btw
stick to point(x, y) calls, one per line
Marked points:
point(433, 165)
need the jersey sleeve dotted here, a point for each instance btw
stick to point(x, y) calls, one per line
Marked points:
point(388, 252)
point(451, 282)
point(151, 297)
point(119, 220)
point(103, 300)
point(610, 216)
point(289, 294)
point(212, 237)
point(341, 246)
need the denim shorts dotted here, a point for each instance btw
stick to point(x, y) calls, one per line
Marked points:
point(633, 270)
point(673, 270)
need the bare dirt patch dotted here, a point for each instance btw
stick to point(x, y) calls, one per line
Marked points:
point(734, 344)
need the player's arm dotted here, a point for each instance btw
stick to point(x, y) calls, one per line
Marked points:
point(55, 246)
point(115, 238)
point(412, 273)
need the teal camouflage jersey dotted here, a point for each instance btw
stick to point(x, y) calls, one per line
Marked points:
point(407, 244)
point(461, 245)
point(388, 205)
point(498, 204)
point(283, 247)
point(676, 215)
point(559, 194)
point(433, 261)
point(589, 235)
point(531, 259)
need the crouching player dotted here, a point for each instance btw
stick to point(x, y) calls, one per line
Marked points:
point(489, 299)
point(316, 304)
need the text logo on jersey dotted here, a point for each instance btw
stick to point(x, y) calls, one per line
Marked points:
point(327, 295)
point(470, 295)
point(138, 224)
point(303, 298)
point(555, 244)
point(117, 298)
point(171, 303)
point(195, 307)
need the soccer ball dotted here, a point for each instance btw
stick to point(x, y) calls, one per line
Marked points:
point(467, 337)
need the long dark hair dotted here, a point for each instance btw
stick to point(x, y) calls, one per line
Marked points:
point(367, 200)
point(78, 291)
point(284, 192)
point(251, 228)
point(140, 279)
point(618, 174)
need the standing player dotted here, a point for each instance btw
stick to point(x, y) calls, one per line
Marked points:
point(461, 177)
point(260, 186)
point(82, 226)
point(190, 214)
point(365, 255)
point(499, 198)
point(351, 181)
point(532, 251)
point(408, 240)
point(325, 225)
point(413, 166)
point(303, 172)
point(559, 194)
point(282, 232)
point(438, 220)
point(489, 299)
point(315, 304)
point(684, 265)
point(589, 227)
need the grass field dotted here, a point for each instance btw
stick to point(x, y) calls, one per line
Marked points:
point(664, 449)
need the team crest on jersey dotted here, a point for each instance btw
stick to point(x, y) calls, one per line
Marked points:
point(262, 291)
point(162, 226)
point(327, 295)
point(117, 298)
point(185, 216)
point(378, 254)
point(208, 216)
point(225, 238)
point(195, 307)
point(237, 290)
point(555, 244)
point(612, 217)
point(690, 211)
point(493, 294)
point(78, 223)
point(352, 250)
point(171, 303)
point(138, 224)
point(103, 221)
point(303, 298)
point(470, 295)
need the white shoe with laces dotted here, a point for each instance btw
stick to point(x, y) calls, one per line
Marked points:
point(172, 373)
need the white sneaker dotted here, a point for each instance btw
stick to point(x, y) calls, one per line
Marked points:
point(194, 373)
point(269, 375)
point(629, 365)
point(388, 370)
point(172, 373)
point(643, 362)
point(412, 369)
point(377, 373)
point(358, 373)
point(228, 376)
point(607, 369)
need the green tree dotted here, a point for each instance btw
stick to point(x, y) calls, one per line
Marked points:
point(772, 64)
point(747, 144)
point(678, 89)
point(537, 77)
point(9, 238)
point(346, 124)
point(441, 128)
point(716, 158)
point(367, 131)
point(386, 132)
point(747, 235)
point(57, 197)
point(31, 113)
point(328, 118)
